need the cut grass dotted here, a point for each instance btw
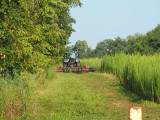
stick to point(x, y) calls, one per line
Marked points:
point(89, 96)
point(69, 96)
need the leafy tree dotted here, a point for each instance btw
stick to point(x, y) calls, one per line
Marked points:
point(109, 46)
point(118, 45)
point(103, 47)
point(33, 33)
point(137, 43)
point(69, 48)
point(81, 46)
point(154, 39)
point(90, 53)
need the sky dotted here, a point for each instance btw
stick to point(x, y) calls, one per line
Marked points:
point(97, 20)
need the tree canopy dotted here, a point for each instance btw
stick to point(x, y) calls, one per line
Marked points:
point(33, 33)
point(148, 43)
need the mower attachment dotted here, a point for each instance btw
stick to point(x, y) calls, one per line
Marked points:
point(75, 69)
point(59, 69)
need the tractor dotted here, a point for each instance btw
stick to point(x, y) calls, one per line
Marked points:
point(71, 63)
point(71, 59)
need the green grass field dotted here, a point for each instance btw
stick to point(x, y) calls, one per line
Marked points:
point(68, 96)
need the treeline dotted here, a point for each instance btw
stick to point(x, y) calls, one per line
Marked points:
point(148, 43)
point(33, 33)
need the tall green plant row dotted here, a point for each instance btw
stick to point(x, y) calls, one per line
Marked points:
point(139, 74)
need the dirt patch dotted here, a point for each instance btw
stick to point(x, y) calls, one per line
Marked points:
point(97, 85)
point(119, 104)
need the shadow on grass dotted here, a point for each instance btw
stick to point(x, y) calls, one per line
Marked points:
point(132, 96)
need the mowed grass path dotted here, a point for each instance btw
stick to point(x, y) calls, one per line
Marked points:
point(89, 96)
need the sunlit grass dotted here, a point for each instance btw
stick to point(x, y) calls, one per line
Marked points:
point(51, 95)
point(17, 96)
point(139, 73)
point(92, 62)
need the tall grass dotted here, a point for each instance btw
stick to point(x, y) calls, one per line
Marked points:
point(92, 62)
point(139, 74)
point(17, 96)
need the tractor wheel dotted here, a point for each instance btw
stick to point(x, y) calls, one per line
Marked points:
point(68, 69)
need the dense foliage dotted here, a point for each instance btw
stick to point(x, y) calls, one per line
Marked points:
point(148, 44)
point(33, 33)
point(144, 44)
